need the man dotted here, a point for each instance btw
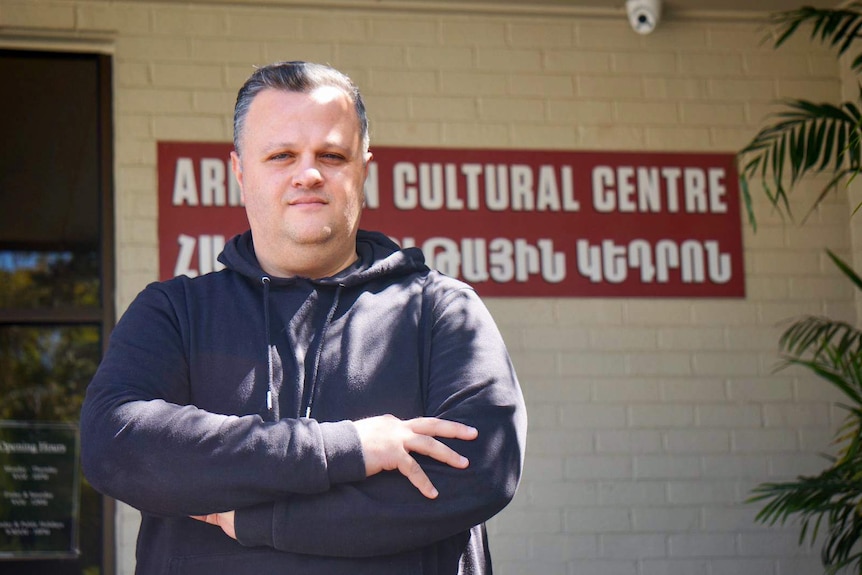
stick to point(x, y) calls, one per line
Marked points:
point(326, 404)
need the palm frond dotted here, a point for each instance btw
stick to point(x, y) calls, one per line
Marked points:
point(807, 138)
point(837, 28)
point(845, 268)
point(818, 337)
point(826, 504)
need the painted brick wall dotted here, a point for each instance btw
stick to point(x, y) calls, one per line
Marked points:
point(650, 421)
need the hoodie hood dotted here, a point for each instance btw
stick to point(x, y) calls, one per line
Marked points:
point(378, 257)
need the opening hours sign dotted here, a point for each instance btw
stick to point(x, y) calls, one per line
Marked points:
point(513, 223)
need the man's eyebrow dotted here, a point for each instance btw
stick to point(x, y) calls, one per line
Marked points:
point(276, 146)
point(326, 145)
point(332, 145)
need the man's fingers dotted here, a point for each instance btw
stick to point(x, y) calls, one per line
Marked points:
point(224, 520)
point(433, 427)
point(212, 518)
point(436, 450)
point(411, 469)
point(387, 443)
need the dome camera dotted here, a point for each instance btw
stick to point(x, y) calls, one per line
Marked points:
point(644, 15)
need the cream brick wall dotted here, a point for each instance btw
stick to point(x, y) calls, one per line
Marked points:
point(650, 420)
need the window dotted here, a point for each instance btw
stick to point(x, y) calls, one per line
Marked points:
point(56, 260)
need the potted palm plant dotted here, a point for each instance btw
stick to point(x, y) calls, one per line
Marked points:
point(808, 138)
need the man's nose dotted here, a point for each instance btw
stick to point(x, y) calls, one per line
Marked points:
point(307, 175)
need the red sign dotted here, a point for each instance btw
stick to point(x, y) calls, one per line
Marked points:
point(509, 222)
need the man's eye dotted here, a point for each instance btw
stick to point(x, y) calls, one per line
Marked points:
point(337, 157)
point(281, 156)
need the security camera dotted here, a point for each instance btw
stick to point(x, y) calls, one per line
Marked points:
point(644, 15)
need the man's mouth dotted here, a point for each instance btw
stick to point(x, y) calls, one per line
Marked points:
point(306, 200)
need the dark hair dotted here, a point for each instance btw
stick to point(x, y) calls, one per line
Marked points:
point(296, 77)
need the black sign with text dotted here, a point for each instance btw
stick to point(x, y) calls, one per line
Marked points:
point(39, 485)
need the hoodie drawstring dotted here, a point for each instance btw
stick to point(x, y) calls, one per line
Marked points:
point(265, 281)
point(319, 352)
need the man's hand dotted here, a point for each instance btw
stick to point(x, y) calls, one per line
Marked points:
point(386, 445)
point(388, 441)
point(223, 520)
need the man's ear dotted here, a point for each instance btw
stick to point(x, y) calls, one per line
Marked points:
point(367, 157)
point(236, 168)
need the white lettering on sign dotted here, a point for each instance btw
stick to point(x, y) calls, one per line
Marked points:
point(217, 186)
point(58, 448)
point(645, 189)
point(500, 260)
point(696, 261)
point(21, 447)
point(569, 224)
point(32, 448)
point(206, 247)
point(499, 187)
point(29, 528)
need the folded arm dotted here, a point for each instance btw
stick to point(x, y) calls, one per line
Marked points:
point(470, 379)
point(143, 443)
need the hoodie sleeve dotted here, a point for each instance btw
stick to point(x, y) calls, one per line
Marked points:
point(144, 443)
point(470, 379)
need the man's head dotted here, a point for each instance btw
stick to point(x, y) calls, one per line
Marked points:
point(295, 77)
point(301, 160)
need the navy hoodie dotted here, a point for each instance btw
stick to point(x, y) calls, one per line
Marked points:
point(237, 391)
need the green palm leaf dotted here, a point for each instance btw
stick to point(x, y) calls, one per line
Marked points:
point(807, 138)
point(825, 502)
point(846, 269)
point(837, 28)
point(827, 505)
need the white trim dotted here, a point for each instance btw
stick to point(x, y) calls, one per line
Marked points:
point(490, 7)
point(56, 40)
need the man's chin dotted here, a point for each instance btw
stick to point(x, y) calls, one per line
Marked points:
point(312, 236)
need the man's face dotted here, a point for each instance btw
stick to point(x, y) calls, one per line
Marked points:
point(301, 173)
